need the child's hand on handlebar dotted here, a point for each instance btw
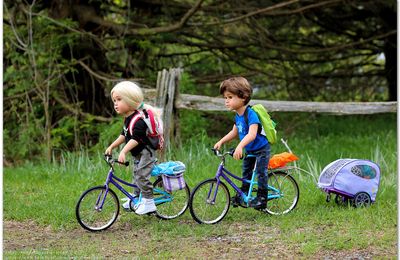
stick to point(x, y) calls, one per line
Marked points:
point(108, 150)
point(238, 154)
point(217, 146)
point(121, 157)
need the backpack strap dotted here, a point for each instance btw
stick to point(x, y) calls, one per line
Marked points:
point(246, 120)
point(133, 121)
point(150, 121)
point(246, 115)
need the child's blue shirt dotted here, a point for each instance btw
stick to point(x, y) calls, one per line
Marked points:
point(243, 129)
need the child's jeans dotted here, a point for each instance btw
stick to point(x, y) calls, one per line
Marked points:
point(262, 158)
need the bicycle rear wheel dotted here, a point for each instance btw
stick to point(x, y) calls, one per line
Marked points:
point(88, 213)
point(170, 204)
point(209, 202)
point(283, 193)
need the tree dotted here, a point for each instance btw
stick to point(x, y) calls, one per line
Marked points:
point(308, 49)
point(62, 57)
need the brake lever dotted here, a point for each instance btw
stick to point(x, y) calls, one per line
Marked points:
point(215, 151)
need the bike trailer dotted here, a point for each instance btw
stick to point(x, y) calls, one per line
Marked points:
point(354, 179)
point(171, 174)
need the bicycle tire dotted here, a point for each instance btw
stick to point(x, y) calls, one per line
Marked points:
point(202, 209)
point(91, 218)
point(288, 192)
point(174, 208)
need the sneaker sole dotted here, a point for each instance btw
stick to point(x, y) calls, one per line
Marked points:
point(147, 213)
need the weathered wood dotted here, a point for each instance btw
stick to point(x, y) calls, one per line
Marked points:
point(185, 101)
point(150, 96)
point(165, 95)
point(196, 102)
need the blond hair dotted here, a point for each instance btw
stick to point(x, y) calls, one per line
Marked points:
point(132, 95)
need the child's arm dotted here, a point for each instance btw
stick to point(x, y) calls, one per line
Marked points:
point(228, 137)
point(251, 135)
point(116, 143)
point(129, 146)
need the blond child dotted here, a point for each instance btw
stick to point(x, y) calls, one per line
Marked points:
point(128, 101)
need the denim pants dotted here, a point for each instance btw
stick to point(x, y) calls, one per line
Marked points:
point(143, 165)
point(262, 159)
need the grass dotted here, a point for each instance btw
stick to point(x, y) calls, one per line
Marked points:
point(47, 193)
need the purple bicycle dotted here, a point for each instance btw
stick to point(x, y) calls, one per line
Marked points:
point(210, 200)
point(98, 207)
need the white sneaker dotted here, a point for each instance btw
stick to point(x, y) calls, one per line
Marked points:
point(146, 206)
point(126, 205)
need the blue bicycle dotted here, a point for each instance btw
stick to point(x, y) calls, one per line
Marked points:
point(98, 207)
point(211, 199)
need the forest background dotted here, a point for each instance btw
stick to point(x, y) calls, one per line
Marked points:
point(61, 58)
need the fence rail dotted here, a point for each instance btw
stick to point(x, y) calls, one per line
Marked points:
point(196, 102)
point(167, 97)
point(204, 103)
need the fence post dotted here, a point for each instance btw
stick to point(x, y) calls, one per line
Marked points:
point(167, 92)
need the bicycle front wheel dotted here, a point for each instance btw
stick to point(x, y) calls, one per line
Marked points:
point(283, 193)
point(89, 212)
point(209, 202)
point(170, 204)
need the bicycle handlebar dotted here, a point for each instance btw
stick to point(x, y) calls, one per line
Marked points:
point(111, 161)
point(219, 154)
point(230, 152)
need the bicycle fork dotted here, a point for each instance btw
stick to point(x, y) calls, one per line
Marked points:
point(211, 196)
point(211, 200)
point(103, 193)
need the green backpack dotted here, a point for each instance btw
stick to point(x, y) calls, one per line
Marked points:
point(268, 125)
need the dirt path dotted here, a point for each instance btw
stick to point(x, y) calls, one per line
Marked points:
point(32, 239)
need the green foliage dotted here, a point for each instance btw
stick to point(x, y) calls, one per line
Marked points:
point(107, 134)
point(64, 134)
point(32, 74)
point(187, 84)
point(56, 68)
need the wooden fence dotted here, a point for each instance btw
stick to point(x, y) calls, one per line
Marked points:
point(167, 97)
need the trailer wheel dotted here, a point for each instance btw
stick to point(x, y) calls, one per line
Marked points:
point(361, 199)
point(328, 197)
point(341, 200)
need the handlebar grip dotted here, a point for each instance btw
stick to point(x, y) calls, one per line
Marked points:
point(110, 160)
point(123, 163)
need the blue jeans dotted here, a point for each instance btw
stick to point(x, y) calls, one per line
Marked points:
point(262, 158)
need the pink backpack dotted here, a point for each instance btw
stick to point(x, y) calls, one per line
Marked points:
point(155, 128)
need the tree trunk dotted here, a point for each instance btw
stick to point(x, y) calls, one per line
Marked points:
point(390, 51)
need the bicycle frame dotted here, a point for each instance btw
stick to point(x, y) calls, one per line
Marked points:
point(112, 179)
point(224, 173)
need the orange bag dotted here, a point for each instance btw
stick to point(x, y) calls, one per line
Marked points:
point(281, 159)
